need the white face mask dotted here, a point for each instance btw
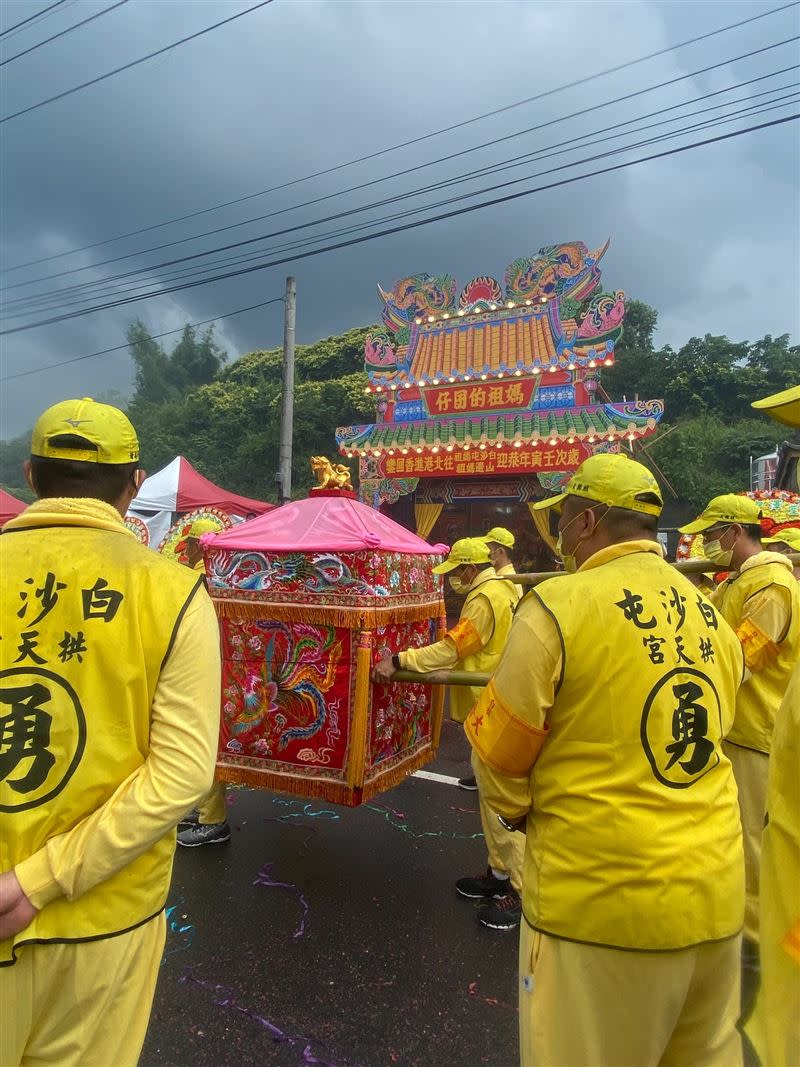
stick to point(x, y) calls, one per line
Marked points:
point(458, 585)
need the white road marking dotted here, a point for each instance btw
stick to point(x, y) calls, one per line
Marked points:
point(448, 779)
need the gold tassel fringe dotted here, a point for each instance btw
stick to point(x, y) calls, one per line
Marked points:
point(327, 615)
point(318, 789)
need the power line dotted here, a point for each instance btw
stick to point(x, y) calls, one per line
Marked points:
point(408, 170)
point(66, 297)
point(136, 62)
point(63, 33)
point(416, 140)
point(509, 197)
point(30, 18)
point(153, 336)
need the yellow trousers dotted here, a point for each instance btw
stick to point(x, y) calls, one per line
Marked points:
point(506, 849)
point(750, 771)
point(213, 808)
point(80, 1005)
point(588, 1006)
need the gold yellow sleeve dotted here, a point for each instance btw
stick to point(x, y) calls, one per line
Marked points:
point(440, 656)
point(176, 774)
point(765, 619)
point(507, 727)
point(472, 631)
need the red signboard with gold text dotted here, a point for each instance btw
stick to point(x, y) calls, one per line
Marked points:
point(527, 459)
point(504, 395)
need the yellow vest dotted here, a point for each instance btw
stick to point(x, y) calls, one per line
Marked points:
point(774, 1027)
point(634, 838)
point(509, 569)
point(502, 597)
point(761, 694)
point(87, 618)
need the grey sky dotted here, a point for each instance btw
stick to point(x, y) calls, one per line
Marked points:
point(710, 238)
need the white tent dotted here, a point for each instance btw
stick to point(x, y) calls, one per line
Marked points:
point(179, 488)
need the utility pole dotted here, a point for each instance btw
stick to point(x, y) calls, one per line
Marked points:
point(284, 475)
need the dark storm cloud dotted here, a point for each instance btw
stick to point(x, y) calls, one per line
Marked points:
point(709, 238)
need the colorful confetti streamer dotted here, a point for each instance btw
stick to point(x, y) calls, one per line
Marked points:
point(406, 829)
point(307, 812)
point(473, 991)
point(180, 933)
point(280, 1037)
point(264, 877)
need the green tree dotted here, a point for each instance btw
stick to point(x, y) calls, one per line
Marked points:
point(704, 456)
point(230, 427)
point(160, 377)
point(13, 454)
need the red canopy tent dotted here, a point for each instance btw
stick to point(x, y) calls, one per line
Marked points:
point(9, 506)
point(177, 489)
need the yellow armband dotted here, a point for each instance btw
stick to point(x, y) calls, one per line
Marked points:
point(501, 739)
point(465, 637)
point(791, 942)
point(759, 650)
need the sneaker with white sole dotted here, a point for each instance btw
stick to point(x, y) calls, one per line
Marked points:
point(214, 833)
point(469, 784)
point(502, 913)
point(482, 887)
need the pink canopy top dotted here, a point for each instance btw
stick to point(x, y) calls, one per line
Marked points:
point(9, 506)
point(323, 522)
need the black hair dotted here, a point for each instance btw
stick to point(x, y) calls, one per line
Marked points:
point(77, 478)
point(508, 551)
point(753, 531)
point(627, 525)
point(623, 521)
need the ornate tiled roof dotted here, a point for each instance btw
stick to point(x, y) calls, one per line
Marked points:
point(495, 344)
point(521, 342)
point(595, 423)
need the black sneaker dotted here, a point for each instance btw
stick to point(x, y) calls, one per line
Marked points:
point(192, 819)
point(484, 887)
point(503, 913)
point(211, 834)
point(469, 784)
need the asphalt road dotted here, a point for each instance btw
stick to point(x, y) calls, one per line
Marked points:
point(361, 955)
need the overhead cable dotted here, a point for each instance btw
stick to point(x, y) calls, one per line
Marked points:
point(423, 137)
point(133, 63)
point(509, 197)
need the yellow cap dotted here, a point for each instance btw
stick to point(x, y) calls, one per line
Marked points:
point(467, 550)
point(204, 526)
point(783, 407)
point(613, 479)
point(499, 535)
point(107, 431)
point(789, 536)
point(731, 507)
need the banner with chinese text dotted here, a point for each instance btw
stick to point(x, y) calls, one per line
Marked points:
point(493, 460)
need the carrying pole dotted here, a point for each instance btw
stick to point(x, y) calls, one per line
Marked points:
point(284, 475)
point(684, 566)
